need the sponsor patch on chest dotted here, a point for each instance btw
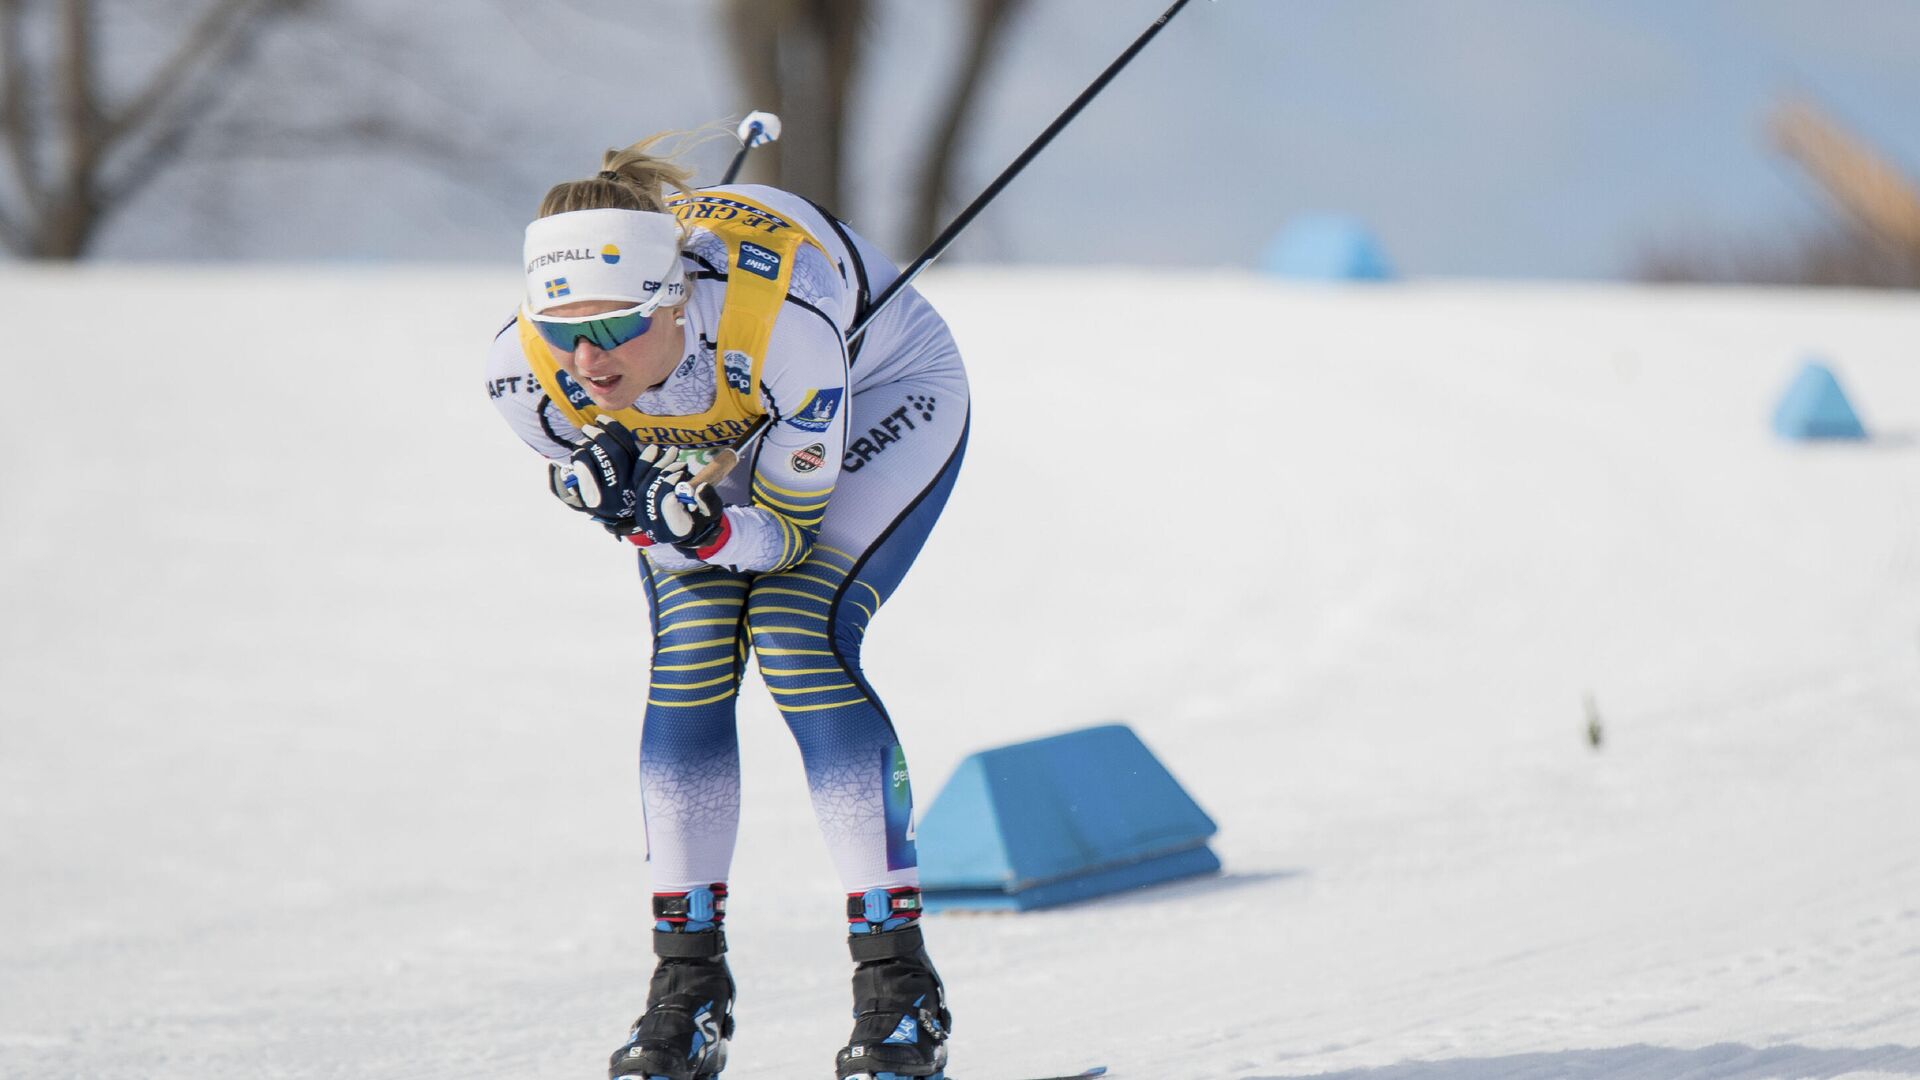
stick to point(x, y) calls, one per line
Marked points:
point(576, 394)
point(738, 368)
point(755, 259)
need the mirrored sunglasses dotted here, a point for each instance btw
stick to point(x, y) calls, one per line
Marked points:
point(608, 331)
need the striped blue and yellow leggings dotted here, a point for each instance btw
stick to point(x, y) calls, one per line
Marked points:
point(805, 626)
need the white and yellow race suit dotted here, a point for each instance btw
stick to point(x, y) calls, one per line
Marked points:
point(826, 513)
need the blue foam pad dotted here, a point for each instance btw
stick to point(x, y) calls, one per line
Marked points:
point(1815, 407)
point(1060, 819)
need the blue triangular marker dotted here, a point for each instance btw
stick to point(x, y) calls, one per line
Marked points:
point(1326, 247)
point(1057, 820)
point(1815, 407)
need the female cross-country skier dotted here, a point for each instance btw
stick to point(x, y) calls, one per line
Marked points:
point(661, 322)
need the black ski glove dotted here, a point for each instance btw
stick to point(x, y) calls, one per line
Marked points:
point(639, 491)
point(607, 474)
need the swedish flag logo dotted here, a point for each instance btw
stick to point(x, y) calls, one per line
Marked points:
point(611, 253)
point(558, 288)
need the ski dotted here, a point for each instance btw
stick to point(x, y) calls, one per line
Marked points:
point(1095, 1071)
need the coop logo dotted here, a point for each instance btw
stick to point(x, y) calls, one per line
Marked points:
point(816, 413)
point(809, 459)
point(739, 372)
point(755, 259)
point(564, 255)
point(611, 254)
point(576, 394)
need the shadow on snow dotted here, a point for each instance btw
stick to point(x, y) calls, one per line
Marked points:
point(1722, 1061)
point(1206, 886)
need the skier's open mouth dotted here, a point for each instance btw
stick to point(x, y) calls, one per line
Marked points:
point(604, 382)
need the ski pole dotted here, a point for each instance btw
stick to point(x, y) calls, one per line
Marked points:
point(725, 459)
point(952, 231)
point(758, 129)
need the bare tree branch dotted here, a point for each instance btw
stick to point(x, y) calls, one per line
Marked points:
point(277, 141)
point(82, 158)
point(1833, 254)
point(755, 28)
point(988, 25)
point(78, 104)
point(213, 34)
point(14, 237)
point(162, 145)
point(70, 213)
point(16, 113)
point(800, 58)
point(841, 26)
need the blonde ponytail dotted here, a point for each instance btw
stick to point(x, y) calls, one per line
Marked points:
point(633, 178)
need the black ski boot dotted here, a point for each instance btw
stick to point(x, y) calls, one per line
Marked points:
point(900, 1018)
point(689, 1017)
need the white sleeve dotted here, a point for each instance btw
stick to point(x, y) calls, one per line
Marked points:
point(668, 558)
point(522, 403)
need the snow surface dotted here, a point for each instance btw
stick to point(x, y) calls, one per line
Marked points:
point(304, 771)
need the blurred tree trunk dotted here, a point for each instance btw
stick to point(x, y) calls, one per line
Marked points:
point(986, 29)
point(75, 158)
point(754, 32)
point(1861, 181)
point(800, 59)
point(1873, 243)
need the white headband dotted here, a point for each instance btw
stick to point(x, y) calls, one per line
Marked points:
point(627, 255)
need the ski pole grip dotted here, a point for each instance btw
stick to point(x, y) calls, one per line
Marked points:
point(716, 470)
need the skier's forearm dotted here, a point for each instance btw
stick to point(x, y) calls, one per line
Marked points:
point(762, 540)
